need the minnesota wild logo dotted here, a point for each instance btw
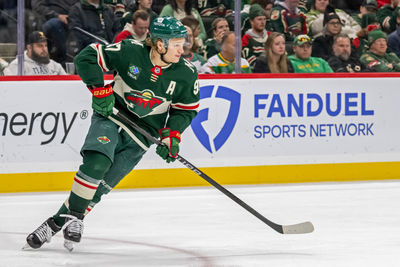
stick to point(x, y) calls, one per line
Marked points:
point(142, 103)
point(103, 139)
point(133, 72)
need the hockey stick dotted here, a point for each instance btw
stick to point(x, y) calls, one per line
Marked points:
point(97, 38)
point(301, 228)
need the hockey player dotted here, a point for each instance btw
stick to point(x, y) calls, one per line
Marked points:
point(155, 88)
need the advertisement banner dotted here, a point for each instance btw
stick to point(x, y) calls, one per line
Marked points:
point(250, 122)
point(241, 122)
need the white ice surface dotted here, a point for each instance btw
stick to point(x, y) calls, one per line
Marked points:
point(356, 224)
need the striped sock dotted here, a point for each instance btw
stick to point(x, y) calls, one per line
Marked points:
point(83, 189)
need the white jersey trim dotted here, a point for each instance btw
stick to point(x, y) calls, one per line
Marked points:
point(130, 133)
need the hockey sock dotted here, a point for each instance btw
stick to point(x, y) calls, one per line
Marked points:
point(63, 210)
point(87, 179)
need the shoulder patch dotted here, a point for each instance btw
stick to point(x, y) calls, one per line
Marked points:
point(275, 14)
point(369, 58)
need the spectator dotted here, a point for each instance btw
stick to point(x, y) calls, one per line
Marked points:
point(387, 16)
point(350, 6)
point(322, 45)
point(218, 8)
point(137, 29)
point(376, 58)
point(3, 65)
point(267, 5)
point(286, 18)
point(224, 62)
point(157, 5)
point(394, 41)
point(182, 8)
point(254, 39)
point(302, 60)
point(213, 45)
point(55, 13)
point(369, 22)
point(116, 6)
point(36, 58)
point(188, 53)
point(342, 59)
point(274, 59)
point(381, 3)
point(367, 7)
point(303, 6)
point(194, 25)
point(93, 17)
point(316, 16)
point(144, 5)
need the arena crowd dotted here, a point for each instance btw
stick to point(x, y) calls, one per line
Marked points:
point(278, 36)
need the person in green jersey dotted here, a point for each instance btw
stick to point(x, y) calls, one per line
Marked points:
point(387, 16)
point(224, 62)
point(376, 58)
point(153, 86)
point(302, 60)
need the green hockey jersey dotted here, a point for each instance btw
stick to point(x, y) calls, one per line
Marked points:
point(153, 97)
point(387, 63)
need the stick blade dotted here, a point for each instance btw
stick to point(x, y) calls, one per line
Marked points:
point(300, 228)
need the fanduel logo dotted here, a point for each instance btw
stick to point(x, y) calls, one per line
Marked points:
point(219, 140)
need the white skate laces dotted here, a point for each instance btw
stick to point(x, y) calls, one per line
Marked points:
point(44, 233)
point(72, 229)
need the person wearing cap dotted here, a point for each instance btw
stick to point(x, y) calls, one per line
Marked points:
point(155, 88)
point(376, 58)
point(302, 60)
point(212, 46)
point(254, 39)
point(287, 18)
point(367, 7)
point(224, 62)
point(267, 5)
point(387, 16)
point(342, 59)
point(36, 58)
point(322, 45)
point(315, 18)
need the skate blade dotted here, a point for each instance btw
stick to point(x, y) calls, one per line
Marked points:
point(69, 245)
point(27, 247)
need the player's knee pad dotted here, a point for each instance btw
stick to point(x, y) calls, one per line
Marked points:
point(95, 164)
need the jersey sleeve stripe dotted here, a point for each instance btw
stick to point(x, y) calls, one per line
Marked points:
point(100, 57)
point(194, 106)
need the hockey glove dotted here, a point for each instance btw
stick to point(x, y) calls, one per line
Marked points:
point(103, 100)
point(170, 148)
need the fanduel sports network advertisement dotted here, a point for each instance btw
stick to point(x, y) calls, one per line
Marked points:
point(241, 122)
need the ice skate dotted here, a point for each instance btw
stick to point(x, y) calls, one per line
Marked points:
point(73, 229)
point(42, 234)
